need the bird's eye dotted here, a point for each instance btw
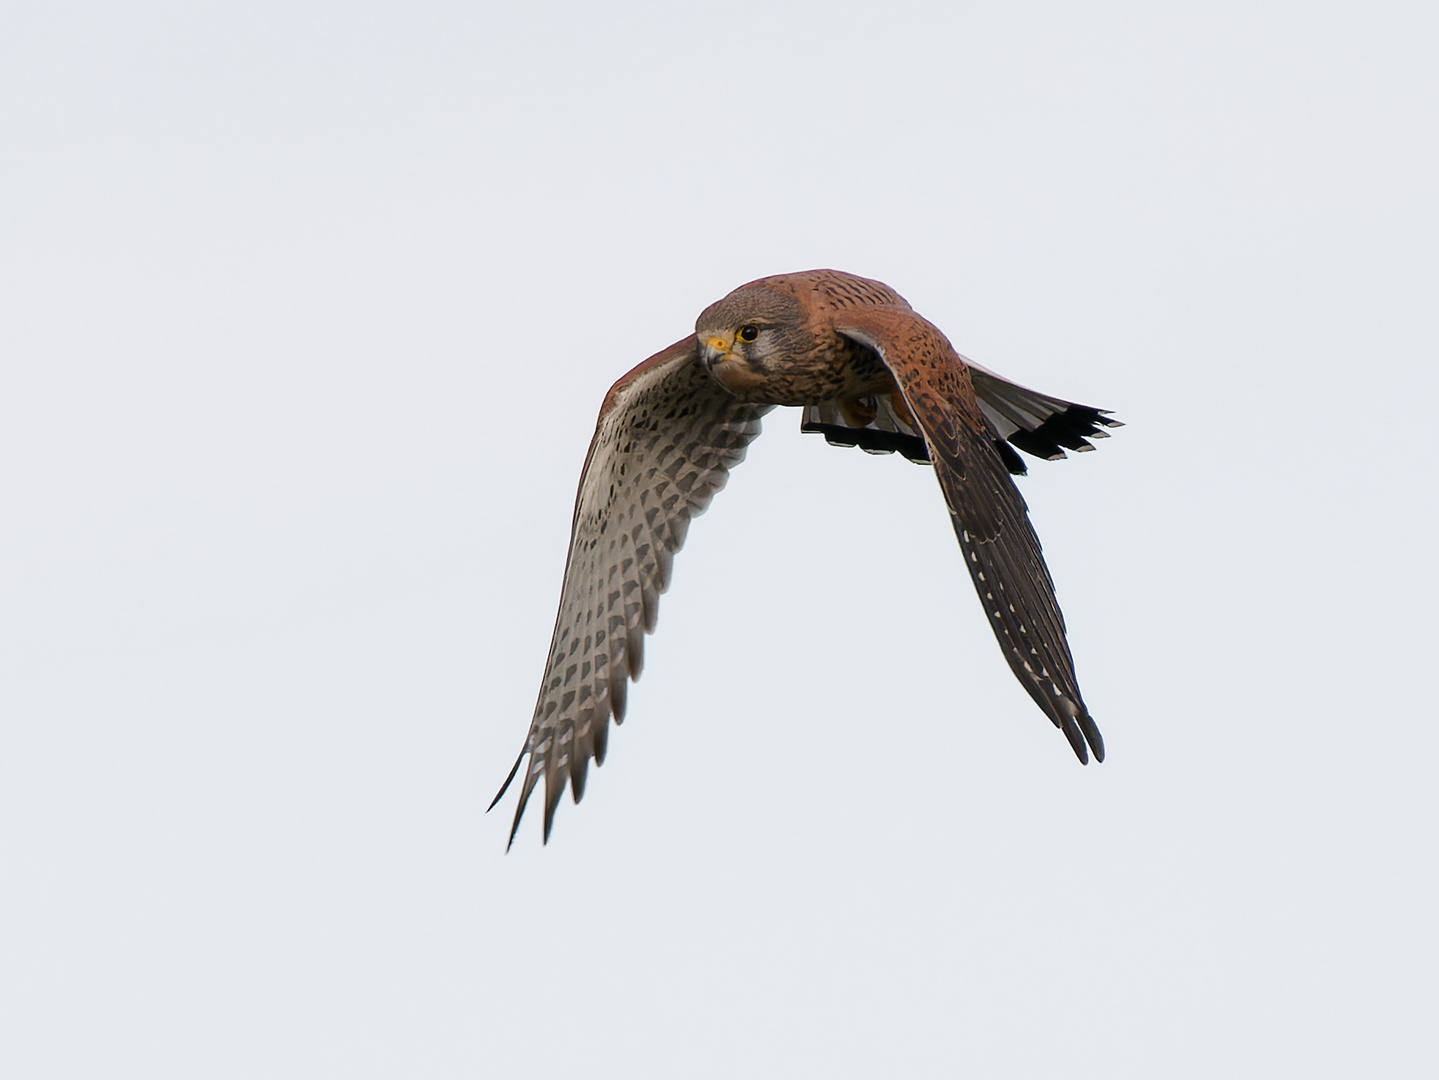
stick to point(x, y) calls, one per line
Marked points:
point(748, 333)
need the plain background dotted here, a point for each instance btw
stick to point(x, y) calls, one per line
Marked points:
point(306, 312)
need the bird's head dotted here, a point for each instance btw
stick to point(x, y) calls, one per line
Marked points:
point(746, 339)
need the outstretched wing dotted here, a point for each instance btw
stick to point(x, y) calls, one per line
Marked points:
point(666, 439)
point(989, 515)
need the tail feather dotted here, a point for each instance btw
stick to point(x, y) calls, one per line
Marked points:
point(1039, 424)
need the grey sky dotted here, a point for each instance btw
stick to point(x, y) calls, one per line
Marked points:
point(306, 311)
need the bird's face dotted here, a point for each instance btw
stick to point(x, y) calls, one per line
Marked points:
point(753, 341)
point(736, 356)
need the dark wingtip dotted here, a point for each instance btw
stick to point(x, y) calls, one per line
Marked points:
point(601, 743)
point(552, 800)
point(579, 770)
point(1092, 735)
point(506, 785)
point(1076, 740)
point(515, 826)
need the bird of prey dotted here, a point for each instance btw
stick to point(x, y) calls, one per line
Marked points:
point(869, 372)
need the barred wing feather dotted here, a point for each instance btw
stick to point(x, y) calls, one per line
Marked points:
point(666, 439)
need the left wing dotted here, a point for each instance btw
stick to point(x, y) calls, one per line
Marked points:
point(990, 518)
point(666, 439)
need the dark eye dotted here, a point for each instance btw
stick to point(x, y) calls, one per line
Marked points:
point(748, 333)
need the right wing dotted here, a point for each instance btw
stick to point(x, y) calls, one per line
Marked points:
point(991, 521)
point(666, 439)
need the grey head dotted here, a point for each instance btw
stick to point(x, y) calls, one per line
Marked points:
point(753, 338)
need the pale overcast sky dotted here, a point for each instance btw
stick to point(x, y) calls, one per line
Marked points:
point(306, 311)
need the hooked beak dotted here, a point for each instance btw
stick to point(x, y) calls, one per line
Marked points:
point(715, 350)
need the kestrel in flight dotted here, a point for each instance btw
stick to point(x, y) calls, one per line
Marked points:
point(869, 372)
